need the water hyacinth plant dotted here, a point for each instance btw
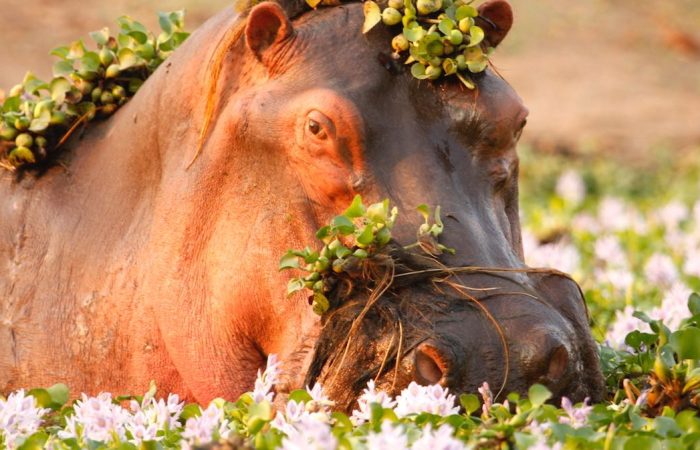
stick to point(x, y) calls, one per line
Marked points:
point(37, 117)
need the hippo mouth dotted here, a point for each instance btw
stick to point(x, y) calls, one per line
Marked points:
point(411, 318)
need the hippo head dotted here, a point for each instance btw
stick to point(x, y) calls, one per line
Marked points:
point(349, 119)
point(310, 113)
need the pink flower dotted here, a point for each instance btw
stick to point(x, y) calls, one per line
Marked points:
point(370, 395)
point(575, 416)
point(433, 399)
point(19, 418)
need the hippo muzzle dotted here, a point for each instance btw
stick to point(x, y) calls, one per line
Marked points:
point(511, 332)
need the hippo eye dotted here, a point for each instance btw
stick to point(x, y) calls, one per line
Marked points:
point(318, 125)
point(314, 127)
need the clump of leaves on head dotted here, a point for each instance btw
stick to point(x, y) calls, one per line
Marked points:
point(359, 233)
point(439, 38)
point(37, 116)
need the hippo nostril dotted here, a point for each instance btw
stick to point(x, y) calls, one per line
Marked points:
point(558, 363)
point(429, 365)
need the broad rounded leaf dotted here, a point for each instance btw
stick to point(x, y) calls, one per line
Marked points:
point(289, 261)
point(469, 402)
point(476, 35)
point(538, 394)
point(100, 36)
point(686, 343)
point(342, 225)
point(356, 208)
point(373, 15)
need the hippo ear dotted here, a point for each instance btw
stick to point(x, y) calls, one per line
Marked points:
point(496, 18)
point(267, 25)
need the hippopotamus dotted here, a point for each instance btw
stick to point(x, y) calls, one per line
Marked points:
point(151, 251)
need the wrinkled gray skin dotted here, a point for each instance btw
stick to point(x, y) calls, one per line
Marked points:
point(124, 265)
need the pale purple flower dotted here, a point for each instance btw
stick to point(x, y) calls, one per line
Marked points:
point(559, 255)
point(586, 222)
point(539, 431)
point(440, 439)
point(391, 437)
point(620, 278)
point(141, 429)
point(696, 213)
point(486, 396)
point(624, 324)
point(642, 399)
point(370, 395)
point(609, 251)
point(266, 380)
point(571, 187)
point(320, 402)
point(19, 417)
point(433, 399)
point(674, 306)
point(692, 263)
point(165, 414)
point(672, 214)
point(660, 270)
point(96, 419)
point(309, 434)
point(613, 214)
point(575, 416)
point(208, 426)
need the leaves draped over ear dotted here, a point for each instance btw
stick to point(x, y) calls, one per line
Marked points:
point(267, 25)
point(496, 18)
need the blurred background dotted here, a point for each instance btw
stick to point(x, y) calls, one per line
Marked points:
point(613, 76)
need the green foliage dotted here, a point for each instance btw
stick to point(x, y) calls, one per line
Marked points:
point(438, 38)
point(38, 116)
point(359, 234)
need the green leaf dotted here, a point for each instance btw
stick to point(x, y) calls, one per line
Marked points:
point(356, 208)
point(373, 15)
point(446, 26)
point(323, 232)
point(367, 236)
point(294, 285)
point(418, 71)
point(476, 35)
point(127, 58)
point(694, 303)
point(640, 442)
point(686, 343)
point(42, 396)
point(538, 394)
point(59, 87)
point(414, 33)
point(59, 394)
point(300, 395)
point(76, 50)
point(62, 68)
point(469, 402)
point(320, 304)
point(466, 81)
point(342, 225)
point(377, 212)
point(32, 84)
point(190, 410)
point(61, 52)
point(165, 23)
point(289, 261)
point(41, 122)
point(424, 211)
point(101, 36)
point(465, 11)
point(35, 442)
point(139, 36)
